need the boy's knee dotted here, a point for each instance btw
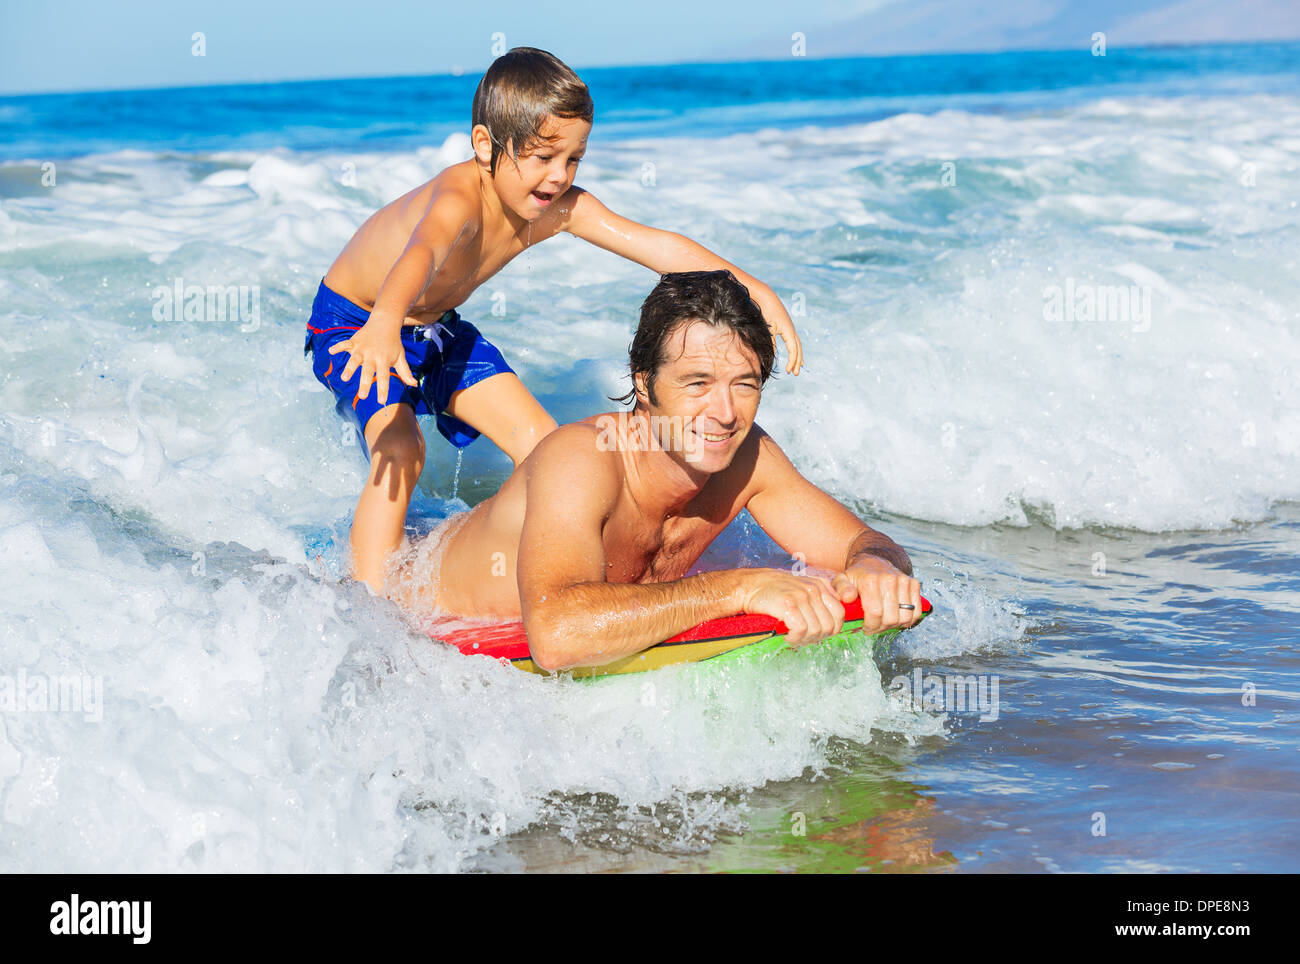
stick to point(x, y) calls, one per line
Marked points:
point(404, 453)
point(393, 436)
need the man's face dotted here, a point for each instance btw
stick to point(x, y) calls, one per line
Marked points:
point(546, 171)
point(708, 391)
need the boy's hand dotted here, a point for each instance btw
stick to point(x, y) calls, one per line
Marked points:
point(664, 251)
point(778, 320)
point(375, 350)
point(793, 347)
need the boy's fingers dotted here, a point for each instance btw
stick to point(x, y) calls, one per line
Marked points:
point(404, 372)
point(367, 377)
point(350, 361)
point(794, 354)
point(381, 386)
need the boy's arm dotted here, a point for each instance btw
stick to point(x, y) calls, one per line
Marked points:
point(450, 221)
point(665, 251)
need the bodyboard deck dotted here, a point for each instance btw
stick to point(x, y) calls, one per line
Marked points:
point(718, 640)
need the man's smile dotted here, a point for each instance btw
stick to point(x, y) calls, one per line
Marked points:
point(715, 438)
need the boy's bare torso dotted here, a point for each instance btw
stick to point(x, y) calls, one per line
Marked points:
point(359, 272)
point(478, 573)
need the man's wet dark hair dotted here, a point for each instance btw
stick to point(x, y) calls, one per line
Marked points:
point(520, 90)
point(712, 297)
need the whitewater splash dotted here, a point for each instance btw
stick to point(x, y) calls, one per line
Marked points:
point(965, 398)
point(166, 486)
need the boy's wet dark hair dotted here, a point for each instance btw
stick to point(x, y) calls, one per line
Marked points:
point(713, 297)
point(520, 89)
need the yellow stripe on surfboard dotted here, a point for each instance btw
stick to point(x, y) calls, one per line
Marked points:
point(656, 657)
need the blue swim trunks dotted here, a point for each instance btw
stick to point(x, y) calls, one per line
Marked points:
point(444, 357)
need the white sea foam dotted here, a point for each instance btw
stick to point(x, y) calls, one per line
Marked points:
point(167, 487)
point(256, 717)
point(935, 387)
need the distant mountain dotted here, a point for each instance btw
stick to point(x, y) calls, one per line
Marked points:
point(956, 26)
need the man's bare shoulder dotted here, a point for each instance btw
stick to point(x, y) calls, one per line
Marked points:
point(759, 462)
point(769, 452)
point(577, 456)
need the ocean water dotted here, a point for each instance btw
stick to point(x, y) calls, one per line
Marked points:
point(1049, 309)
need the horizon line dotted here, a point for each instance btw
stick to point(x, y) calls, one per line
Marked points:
point(454, 72)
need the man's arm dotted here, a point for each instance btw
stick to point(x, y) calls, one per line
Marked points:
point(572, 615)
point(812, 525)
point(665, 251)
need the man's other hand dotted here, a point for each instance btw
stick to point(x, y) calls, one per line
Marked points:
point(881, 588)
point(806, 604)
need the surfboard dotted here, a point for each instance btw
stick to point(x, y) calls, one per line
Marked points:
point(718, 640)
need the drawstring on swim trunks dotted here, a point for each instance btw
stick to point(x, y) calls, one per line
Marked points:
point(432, 332)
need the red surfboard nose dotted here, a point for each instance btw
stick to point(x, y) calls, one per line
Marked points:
point(853, 610)
point(508, 640)
point(737, 625)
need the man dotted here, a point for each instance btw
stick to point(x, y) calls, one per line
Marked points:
point(588, 541)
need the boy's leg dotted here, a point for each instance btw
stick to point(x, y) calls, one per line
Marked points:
point(505, 411)
point(396, 461)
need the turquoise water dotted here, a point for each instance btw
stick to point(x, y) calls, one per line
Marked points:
point(1103, 510)
point(1123, 698)
point(682, 99)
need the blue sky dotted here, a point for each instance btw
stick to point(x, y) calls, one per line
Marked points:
point(55, 45)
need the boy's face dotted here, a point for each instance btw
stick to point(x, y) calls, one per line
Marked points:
point(545, 171)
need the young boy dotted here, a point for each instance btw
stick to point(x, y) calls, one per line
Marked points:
point(388, 303)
